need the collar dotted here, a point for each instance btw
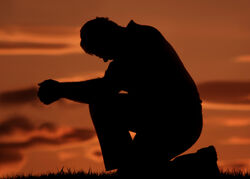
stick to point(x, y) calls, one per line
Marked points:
point(131, 25)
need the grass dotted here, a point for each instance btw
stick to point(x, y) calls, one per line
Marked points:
point(234, 174)
point(80, 174)
point(63, 174)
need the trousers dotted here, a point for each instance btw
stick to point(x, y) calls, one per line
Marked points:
point(163, 131)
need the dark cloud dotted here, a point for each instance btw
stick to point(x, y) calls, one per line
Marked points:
point(11, 151)
point(20, 96)
point(8, 156)
point(29, 96)
point(20, 123)
point(234, 92)
point(97, 153)
point(76, 135)
point(31, 45)
point(79, 134)
point(23, 124)
point(47, 126)
point(15, 123)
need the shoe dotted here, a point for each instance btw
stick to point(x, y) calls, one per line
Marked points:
point(203, 163)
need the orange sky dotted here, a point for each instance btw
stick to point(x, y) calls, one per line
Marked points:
point(40, 40)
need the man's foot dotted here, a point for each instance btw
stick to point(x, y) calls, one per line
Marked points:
point(203, 163)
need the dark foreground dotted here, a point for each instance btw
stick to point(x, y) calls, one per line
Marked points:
point(201, 164)
point(70, 174)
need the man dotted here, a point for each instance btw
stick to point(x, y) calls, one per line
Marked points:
point(161, 103)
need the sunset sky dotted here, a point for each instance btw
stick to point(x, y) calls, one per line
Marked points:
point(40, 40)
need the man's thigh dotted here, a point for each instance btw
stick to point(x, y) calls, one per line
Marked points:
point(116, 110)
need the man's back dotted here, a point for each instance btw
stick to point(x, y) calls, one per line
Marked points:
point(150, 68)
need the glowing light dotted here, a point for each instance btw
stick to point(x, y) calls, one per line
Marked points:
point(243, 58)
point(224, 106)
point(236, 122)
point(237, 141)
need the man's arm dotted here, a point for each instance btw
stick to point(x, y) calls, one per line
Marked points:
point(84, 92)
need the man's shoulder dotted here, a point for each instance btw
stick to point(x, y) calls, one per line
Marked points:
point(133, 26)
point(145, 31)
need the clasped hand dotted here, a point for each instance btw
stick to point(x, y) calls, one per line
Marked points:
point(49, 91)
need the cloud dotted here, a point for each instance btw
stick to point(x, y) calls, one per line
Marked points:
point(12, 144)
point(45, 133)
point(76, 135)
point(40, 30)
point(20, 96)
point(97, 153)
point(39, 40)
point(225, 92)
point(47, 126)
point(20, 124)
point(8, 156)
point(15, 123)
point(27, 96)
point(31, 45)
point(94, 152)
point(12, 152)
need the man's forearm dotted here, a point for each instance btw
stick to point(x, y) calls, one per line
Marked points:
point(85, 91)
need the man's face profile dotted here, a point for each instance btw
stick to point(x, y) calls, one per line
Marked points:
point(99, 37)
point(100, 50)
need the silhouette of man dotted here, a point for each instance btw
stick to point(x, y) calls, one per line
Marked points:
point(161, 104)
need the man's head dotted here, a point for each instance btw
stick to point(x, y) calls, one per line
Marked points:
point(101, 37)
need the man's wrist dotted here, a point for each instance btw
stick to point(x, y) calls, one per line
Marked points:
point(61, 90)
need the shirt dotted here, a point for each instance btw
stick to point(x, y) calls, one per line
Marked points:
point(150, 69)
